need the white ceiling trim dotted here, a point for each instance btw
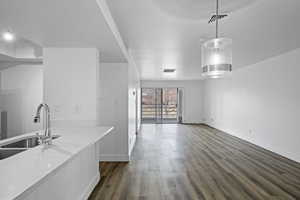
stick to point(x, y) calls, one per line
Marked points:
point(113, 27)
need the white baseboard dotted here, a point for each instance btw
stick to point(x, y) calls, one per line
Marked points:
point(114, 158)
point(89, 189)
point(269, 148)
point(192, 122)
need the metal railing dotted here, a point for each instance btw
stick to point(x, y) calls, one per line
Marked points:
point(150, 111)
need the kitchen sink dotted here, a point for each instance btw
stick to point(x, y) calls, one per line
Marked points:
point(5, 153)
point(26, 143)
point(19, 146)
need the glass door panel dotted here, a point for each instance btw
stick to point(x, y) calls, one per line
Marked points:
point(169, 105)
point(148, 105)
point(159, 105)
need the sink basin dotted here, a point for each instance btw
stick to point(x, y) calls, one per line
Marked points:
point(5, 153)
point(29, 142)
point(24, 143)
point(18, 146)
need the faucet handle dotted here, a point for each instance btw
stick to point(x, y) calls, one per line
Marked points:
point(47, 140)
point(40, 140)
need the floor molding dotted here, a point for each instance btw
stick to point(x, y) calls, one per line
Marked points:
point(251, 143)
point(191, 123)
point(114, 158)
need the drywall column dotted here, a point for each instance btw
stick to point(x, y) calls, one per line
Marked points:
point(119, 91)
point(70, 82)
point(113, 110)
point(133, 105)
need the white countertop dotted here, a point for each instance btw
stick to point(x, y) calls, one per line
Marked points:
point(24, 170)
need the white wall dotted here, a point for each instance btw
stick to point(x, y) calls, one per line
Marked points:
point(259, 103)
point(134, 118)
point(80, 92)
point(192, 97)
point(70, 84)
point(21, 92)
point(119, 88)
point(113, 110)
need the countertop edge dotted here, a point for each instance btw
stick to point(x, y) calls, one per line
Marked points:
point(29, 188)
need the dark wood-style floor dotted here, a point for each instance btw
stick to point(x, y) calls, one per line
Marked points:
point(197, 162)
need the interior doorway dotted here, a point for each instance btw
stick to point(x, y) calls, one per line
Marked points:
point(160, 105)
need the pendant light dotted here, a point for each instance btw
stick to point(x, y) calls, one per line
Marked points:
point(217, 52)
point(8, 36)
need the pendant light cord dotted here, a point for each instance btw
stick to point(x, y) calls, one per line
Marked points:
point(217, 19)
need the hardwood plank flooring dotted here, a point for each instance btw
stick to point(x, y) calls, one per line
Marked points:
point(194, 162)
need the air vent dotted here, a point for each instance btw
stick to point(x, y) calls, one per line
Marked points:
point(169, 70)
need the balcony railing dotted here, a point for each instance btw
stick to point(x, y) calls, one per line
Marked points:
point(151, 111)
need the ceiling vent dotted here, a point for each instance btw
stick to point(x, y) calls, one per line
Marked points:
point(169, 70)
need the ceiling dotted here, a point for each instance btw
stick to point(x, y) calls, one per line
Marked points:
point(168, 33)
point(61, 23)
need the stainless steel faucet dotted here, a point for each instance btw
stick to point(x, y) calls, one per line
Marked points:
point(47, 137)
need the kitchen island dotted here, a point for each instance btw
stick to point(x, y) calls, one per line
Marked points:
point(67, 169)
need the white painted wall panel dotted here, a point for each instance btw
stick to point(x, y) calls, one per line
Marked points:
point(119, 90)
point(259, 103)
point(133, 111)
point(113, 110)
point(70, 80)
point(20, 93)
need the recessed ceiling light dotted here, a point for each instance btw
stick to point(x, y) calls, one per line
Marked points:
point(169, 70)
point(8, 36)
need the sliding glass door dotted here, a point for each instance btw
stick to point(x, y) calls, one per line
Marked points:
point(159, 105)
point(151, 98)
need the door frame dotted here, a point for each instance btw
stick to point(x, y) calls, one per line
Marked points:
point(161, 105)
